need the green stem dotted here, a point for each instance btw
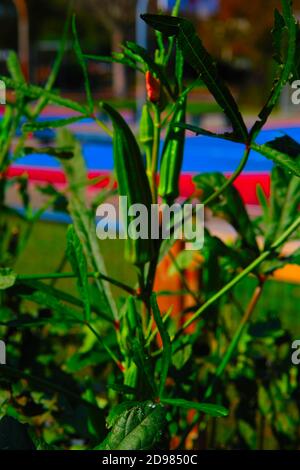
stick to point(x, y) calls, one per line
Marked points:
point(241, 275)
point(102, 342)
point(236, 339)
point(96, 275)
point(104, 127)
point(155, 152)
point(230, 180)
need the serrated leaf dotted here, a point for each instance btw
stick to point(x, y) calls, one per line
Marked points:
point(118, 58)
point(285, 70)
point(198, 57)
point(277, 34)
point(82, 63)
point(284, 151)
point(7, 278)
point(53, 124)
point(35, 92)
point(216, 411)
point(284, 203)
point(138, 428)
point(229, 206)
point(200, 131)
point(64, 154)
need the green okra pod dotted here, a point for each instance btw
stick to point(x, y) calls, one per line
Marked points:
point(133, 184)
point(147, 134)
point(172, 156)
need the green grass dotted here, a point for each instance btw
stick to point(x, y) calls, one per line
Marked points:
point(46, 248)
point(45, 251)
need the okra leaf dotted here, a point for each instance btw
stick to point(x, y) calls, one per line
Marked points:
point(35, 92)
point(277, 34)
point(200, 131)
point(229, 206)
point(286, 68)
point(284, 151)
point(43, 100)
point(137, 428)
point(117, 410)
point(284, 203)
point(216, 411)
point(78, 262)
point(7, 278)
point(64, 154)
point(83, 219)
point(167, 346)
point(28, 321)
point(14, 67)
point(116, 57)
point(197, 56)
point(82, 63)
point(53, 124)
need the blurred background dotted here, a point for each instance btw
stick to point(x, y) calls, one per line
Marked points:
point(236, 33)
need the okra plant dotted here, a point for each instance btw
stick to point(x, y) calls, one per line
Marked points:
point(156, 381)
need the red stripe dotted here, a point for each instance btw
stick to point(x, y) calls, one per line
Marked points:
point(246, 184)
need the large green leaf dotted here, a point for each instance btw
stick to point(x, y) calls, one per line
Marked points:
point(137, 428)
point(197, 56)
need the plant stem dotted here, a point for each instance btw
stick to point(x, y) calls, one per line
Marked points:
point(102, 342)
point(232, 178)
point(241, 275)
point(104, 127)
point(182, 278)
point(155, 152)
point(96, 275)
point(228, 355)
point(236, 338)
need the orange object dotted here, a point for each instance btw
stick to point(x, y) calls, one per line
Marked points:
point(153, 88)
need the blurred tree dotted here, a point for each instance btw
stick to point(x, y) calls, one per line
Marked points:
point(117, 17)
point(23, 34)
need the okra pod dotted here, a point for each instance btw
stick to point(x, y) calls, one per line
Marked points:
point(132, 183)
point(147, 134)
point(172, 156)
